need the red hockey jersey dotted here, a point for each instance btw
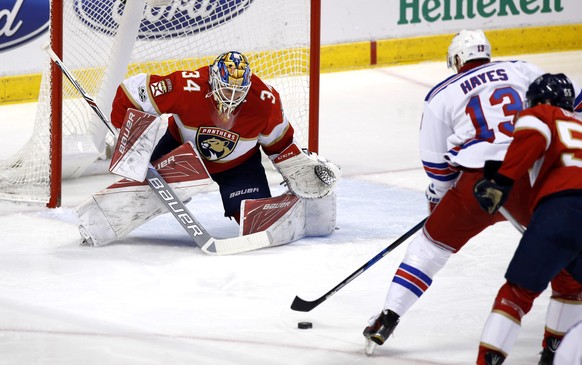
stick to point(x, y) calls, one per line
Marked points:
point(547, 142)
point(222, 143)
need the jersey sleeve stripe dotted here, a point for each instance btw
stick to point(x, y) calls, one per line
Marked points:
point(439, 171)
point(436, 165)
point(274, 135)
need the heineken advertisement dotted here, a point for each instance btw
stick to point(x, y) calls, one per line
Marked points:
point(352, 21)
point(431, 11)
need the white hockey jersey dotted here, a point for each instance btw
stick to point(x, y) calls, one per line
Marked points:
point(468, 119)
point(569, 351)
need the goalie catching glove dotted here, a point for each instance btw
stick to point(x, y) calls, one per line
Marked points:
point(306, 174)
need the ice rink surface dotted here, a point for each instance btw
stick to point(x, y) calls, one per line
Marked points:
point(154, 298)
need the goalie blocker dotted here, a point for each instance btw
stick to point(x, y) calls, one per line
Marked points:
point(138, 136)
point(114, 212)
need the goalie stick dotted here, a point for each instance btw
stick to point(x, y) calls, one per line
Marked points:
point(165, 193)
point(302, 305)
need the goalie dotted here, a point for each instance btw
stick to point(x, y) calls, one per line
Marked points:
point(210, 125)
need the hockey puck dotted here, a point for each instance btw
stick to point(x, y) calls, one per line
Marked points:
point(304, 325)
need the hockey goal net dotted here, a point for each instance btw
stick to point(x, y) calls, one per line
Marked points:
point(104, 41)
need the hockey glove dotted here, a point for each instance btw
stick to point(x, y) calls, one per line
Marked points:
point(490, 168)
point(306, 174)
point(432, 198)
point(492, 193)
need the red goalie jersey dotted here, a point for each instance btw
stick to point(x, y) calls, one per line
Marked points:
point(223, 140)
point(548, 139)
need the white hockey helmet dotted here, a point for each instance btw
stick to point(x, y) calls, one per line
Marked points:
point(468, 45)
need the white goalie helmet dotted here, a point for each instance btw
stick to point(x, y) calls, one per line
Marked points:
point(468, 45)
point(230, 80)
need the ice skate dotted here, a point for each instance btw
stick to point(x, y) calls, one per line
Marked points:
point(494, 358)
point(379, 329)
point(551, 345)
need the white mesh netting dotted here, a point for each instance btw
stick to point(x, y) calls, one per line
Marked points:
point(101, 47)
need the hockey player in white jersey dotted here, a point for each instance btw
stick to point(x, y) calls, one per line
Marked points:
point(569, 351)
point(467, 119)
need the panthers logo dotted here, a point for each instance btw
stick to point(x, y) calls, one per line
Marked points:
point(215, 143)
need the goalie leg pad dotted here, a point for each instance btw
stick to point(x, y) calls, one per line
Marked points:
point(283, 217)
point(93, 219)
point(320, 215)
point(287, 218)
point(114, 212)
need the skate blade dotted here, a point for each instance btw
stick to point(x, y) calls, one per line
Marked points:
point(370, 347)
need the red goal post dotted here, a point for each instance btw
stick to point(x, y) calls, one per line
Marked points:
point(104, 41)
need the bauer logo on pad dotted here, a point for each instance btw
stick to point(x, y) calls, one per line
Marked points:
point(161, 22)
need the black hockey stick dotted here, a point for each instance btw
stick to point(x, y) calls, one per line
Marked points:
point(165, 193)
point(301, 305)
point(504, 212)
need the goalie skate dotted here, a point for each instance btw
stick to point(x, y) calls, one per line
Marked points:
point(86, 239)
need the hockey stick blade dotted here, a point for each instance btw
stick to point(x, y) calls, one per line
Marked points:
point(165, 193)
point(228, 246)
point(302, 305)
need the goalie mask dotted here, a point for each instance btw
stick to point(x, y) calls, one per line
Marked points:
point(230, 80)
point(468, 45)
point(557, 89)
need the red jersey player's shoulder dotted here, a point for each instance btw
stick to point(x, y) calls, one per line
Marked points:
point(544, 112)
point(536, 110)
point(188, 80)
point(178, 90)
point(548, 113)
point(261, 88)
point(263, 96)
